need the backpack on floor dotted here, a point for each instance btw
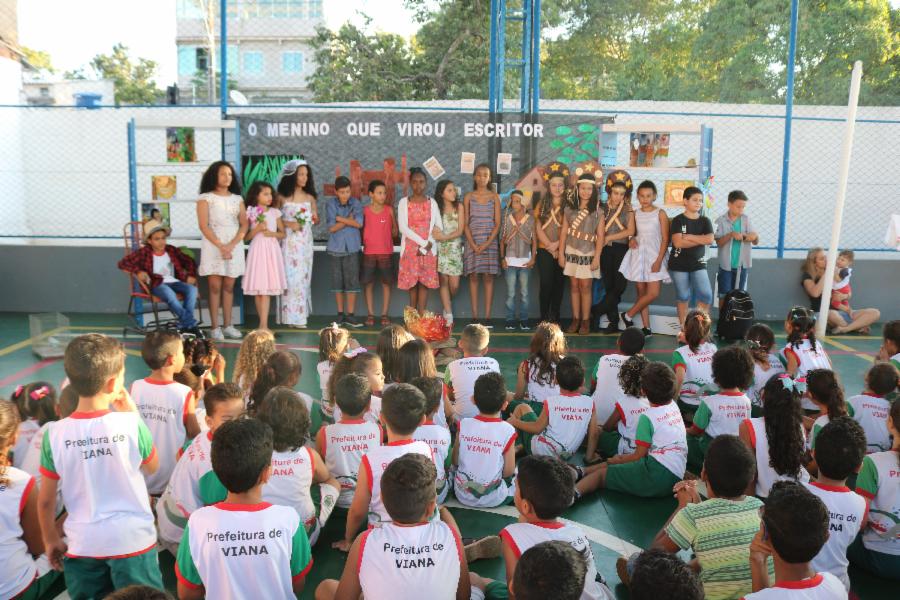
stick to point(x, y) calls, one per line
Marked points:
point(736, 316)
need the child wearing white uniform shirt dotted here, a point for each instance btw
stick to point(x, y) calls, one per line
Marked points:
point(619, 430)
point(461, 374)
point(693, 363)
point(607, 390)
point(803, 352)
point(436, 436)
point(870, 409)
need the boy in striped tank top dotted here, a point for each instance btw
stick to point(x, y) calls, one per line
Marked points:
point(402, 411)
point(296, 467)
point(545, 488)
point(870, 409)
point(344, 443)
point(167, 407)
point(841, 449)
point(793, 530)
point(96, 456)
point(660, 457)
point(485, 453)
point(243, 547)
point(193, 483)
point(565, 420)
point(412, 555)
point(722, 412)
point(436, 436)
point(718, 530)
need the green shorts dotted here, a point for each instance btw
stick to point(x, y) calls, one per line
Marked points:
point(97, 577)
point(646, 478)
point(877, 563)
point(609, 443)
point(496, 590)
point(526, 437)
point(536, 407)
point(49, 585)
point(697, 447)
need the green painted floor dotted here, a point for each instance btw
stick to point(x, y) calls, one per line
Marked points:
point(628, 518)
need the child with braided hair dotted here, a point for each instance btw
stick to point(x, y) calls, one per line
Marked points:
point(803, 352)
point(825, 391)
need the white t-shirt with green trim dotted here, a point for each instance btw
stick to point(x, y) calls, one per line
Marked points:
point(438, 438)
point(808, 357)
point(661, 429)
point(290, 482)
point(698, 379)
point(879, 482)
point(847, 513)
point(17, 567)
point(762, 376)
point(607, 391)
point(163, 406)
point(722, 413)
point(460, 377)
point(629, 409)
point(871, 412)
point(238, 551)
point(97, 457)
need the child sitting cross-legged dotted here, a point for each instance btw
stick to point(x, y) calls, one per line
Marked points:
point(344, 443)
point(546, 570)
point(718, 530)
point(660, 456)
point(870, 409)
point(485, 453)
point(193, 483)
point(295, 466)
point(402, 411)
point(839, 454)
point(563, 423)
point(243, 547)
point(436, 436)
point(461, 374)
point(413, 555)
point(793, 530)
point(618, 431)
point(545, 487)
point(724, 411)
point(607, 389)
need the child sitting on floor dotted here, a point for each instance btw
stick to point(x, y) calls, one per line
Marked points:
point(826, 392)
point(402, 411)
point(660, 457)
point(617, 435)
point(272, 555)
point(333, 342)
point(193, 483)
point(485, 453)
point(840, 453)
point(364, 363)
point(870, 409)
point(802, 351)
point(562, 425)
point(436, 436)
point(536, 376)
point(718, 530)
point(167, 272)
point(607, 390)
point(766, 364)
point(167, 407)
point(793, 530)
point(546, 570)
point(693, 363)
point(296, 467)
point(461, 374)
point(659, 575)
point(722, 412)
point(412, 555)
point(344, 443)
point(36, 403)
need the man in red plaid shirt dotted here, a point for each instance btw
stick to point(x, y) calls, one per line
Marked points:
point(167, 271)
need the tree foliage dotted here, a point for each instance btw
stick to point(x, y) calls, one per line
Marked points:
point(133, 80)
point(38, 59)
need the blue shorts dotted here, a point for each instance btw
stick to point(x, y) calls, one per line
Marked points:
point(727, 281)
point(692, 283)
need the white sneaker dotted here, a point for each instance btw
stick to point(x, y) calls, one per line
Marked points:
point(232, 333)
point(216, 335)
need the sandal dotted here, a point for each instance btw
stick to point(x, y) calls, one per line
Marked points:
point(585, 327)
point(370, 320)
point(385, 320)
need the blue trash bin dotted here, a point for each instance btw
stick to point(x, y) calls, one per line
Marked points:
point(87, 100)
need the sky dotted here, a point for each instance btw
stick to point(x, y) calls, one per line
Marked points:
point(81, 29)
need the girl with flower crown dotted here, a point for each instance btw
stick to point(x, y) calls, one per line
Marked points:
point(297, 196)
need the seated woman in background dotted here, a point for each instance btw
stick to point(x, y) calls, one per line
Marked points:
point(839, 321)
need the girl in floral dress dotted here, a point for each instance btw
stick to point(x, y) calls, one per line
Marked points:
point(297, 195)
point(450, 249)
point(482, 254)
point(418, 216)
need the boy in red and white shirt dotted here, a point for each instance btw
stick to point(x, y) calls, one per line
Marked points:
point(619, 429)
point(793, 531)
point(544, 489)
point(839, 453)
point(607, 390)
point(412, 556)
point(344, 443)
point(168, 408)
point(870, 409)
point(485, 453)
point(243, 547)
point(193, 484)
point(96, 457)
point(565, 420)
point(436, 436)
point(461, 374)
point(402, 411)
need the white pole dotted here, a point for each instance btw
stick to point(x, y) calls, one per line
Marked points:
point(841, 197)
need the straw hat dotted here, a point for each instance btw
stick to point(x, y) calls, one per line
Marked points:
point(152, 226)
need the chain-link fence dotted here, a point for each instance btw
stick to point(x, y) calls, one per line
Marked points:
point(65, 169)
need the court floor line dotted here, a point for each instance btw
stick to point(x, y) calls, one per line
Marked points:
point(850, 350)
point(25, 343)
point(607, 540)
point(29, 370)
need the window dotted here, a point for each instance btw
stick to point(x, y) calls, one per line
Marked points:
point(292, 62)
point(187, 60)
point(202, 59)
point(252, 63)
point(45, 92)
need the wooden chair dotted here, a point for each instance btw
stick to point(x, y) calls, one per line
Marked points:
point(139, 292)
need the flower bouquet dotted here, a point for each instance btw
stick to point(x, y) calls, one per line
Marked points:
point(303, 216)
point(256, 214)
point(429, 327)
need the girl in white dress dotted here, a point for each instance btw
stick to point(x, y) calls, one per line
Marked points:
point(297, 193)
point(222, 218)
point(645, 261)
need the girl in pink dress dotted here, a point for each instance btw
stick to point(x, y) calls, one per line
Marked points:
point(264, 276)
point(418, 216)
